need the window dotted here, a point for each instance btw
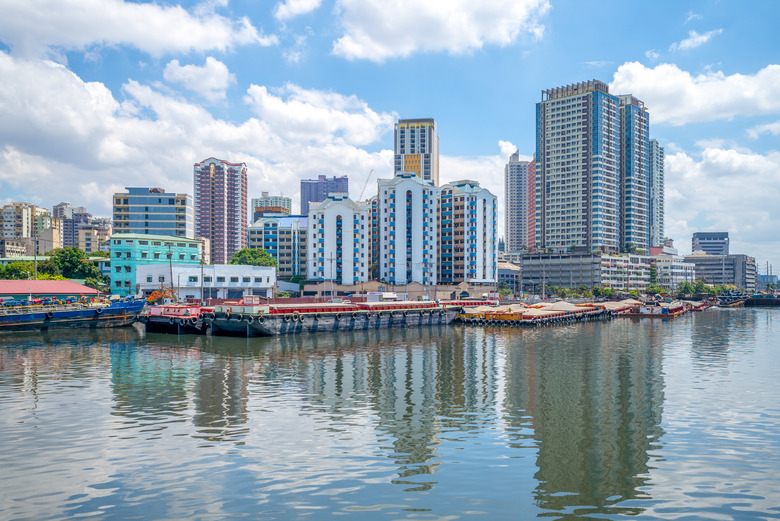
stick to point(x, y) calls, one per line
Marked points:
point(181, 256)
point(193, 278)
point(161, 278)
point(149, 278)
point(245, 279)
point(220, 279)
point(258, 280)
point(119, 269)
point(157, 255)
point(118, 254)
point(127, 254)
point(207, 278)
point(144, 254)
point(127, 269)
point(233, 279)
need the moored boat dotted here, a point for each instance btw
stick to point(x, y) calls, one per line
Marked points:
point(67, 314)
point(175, 318)
point(250, 317)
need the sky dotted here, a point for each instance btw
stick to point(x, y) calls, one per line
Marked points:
point(98, 95)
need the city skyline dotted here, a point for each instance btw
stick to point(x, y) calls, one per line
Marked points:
point(96, 97)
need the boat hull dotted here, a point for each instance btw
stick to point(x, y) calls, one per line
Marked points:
point(304, 323)
point(175, 326)
point(117, 315)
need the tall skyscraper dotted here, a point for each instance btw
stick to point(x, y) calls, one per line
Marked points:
point(317, 190)
point(519, 213)
point(221, 206)
point(592, 170)
point(153, 211)
point(656, 193)
point(417, 149)
point(634, 174)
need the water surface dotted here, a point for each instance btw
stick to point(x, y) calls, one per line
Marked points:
point(650, 419)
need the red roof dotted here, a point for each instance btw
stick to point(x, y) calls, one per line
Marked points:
point(44, 287)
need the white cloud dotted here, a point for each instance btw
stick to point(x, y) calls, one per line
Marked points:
point(39, 27)
point(694, 40)
point(652, 55)
point(487, 170)
point(596, 64)
point(767, 128)
point(292, 8)
point(380, 29)
point(61, 134)
point(693, 16)
point(210, 81)
point(318, 117)
point(677, 97)
point(724, 189)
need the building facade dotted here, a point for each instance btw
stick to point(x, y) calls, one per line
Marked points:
point(153, 211)
point(267, 204)
point(284, 238)
point(519, 207)
point(338, 237)
point(317, 190)
point(94, 236)
point(592, 169)
point(736, 270)
point(634, 174)
point(221, 206)
point(130, 250)
point(417, 149)
point(407, 221)
point(711, 243)
point(219, 281)
point(656, 194)
point(467, 234)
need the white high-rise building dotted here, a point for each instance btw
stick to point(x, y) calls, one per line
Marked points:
point(417, 149)
point(467, 234)
point(338, 240)
point(406, 226)
point(634, 174)
point(519, 212)
point(656, 193)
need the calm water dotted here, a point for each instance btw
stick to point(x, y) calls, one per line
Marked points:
point(649, 419)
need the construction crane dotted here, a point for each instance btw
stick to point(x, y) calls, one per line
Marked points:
point(365, 185)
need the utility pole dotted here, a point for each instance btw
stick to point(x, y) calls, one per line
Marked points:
point(170, 262)
point(202, 300)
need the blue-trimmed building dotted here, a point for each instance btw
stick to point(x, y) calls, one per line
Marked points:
point(130, 250)
point(284, 238)
point(407, 217)
point(153, 211)
point(634, 174)
point(467, 234)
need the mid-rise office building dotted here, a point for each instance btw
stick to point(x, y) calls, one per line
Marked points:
point(221, 206)
point(317, 190)
point(130, 250)
point(467, 234)
point(519, 208)
point(735, 270)
point(284, 238)
point(338, 240)
point(634, 174)
point(417, 149)
point(711, 243)
point(270, 204)
point(407, 219)
point(656, 193)
point(153, 211)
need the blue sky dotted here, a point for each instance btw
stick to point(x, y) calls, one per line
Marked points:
point(97, 95)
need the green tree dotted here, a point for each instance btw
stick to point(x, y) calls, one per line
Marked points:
point(686, 288)
point(72, 264)
point(654, 289)
point(253, 257)
point(100, 284)
point(699, 287)
point(18, 270)
point(771, 287)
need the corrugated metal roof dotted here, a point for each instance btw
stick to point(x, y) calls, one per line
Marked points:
point(44, 287)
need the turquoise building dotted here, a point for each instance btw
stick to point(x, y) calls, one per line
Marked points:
point(130, 250)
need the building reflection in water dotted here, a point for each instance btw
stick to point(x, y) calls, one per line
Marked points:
point(594, 404)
